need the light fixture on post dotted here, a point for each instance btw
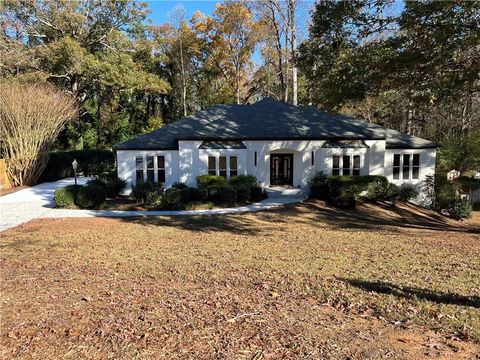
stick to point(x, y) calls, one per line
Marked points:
point(75, 166)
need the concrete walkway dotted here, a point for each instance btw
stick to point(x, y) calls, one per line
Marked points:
point(37, 203)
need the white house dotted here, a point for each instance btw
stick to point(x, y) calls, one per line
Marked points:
point(280, 144)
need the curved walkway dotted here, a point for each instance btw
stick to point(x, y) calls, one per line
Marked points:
point(36, 202)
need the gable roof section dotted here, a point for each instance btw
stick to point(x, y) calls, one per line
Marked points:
point(267, 119)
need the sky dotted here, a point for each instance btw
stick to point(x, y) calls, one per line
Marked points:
point(160, 9)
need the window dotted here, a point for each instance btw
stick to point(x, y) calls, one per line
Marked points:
point(150, 169)
point(346, 165)
point(255, 159)
point(313, 158)
point(356, 165)
point(161, 169)
point(212, 165)
point(336, 165)
point(222, 166)
point(233, 166)
point(416, 166)
point(139, 168)
point(396, 166)
point(406, 166)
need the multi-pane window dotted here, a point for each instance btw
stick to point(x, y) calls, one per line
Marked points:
point(139, 168)
point(416, 166)
point(406, 164)
point(161, 169)
point(336, 165)
point(233, 166)
point(146, 168)
point(222, 166)
point(226, 166)
point(346, 165)
point(356, 165)
point(212, 165)
point(396, 166)
point(150, 169)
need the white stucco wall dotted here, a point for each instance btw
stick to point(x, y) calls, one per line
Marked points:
point(427, 164)
point(126, 164)
point(189, 161)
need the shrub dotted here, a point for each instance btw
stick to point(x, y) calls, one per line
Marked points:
point(153, 200)
point(257, 194)
point(246, 180)
point(228, 194)
point(198, 195)
point(407, 192)
point(90, 162)
point(392, 193)
point(66, 196)
point(377, 190)
point(222, 194)
point(344, 198)
point(112, 184)
point(460, 208)
point(318, 187)
point(179, 185)
point(243, 193)
point(91, 196)
point(141, 189)
point(213, 193)
point(204, 181)
point(173, 199)
point(94, 162)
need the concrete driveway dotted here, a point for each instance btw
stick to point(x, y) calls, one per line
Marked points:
point(37, 203)
point(31, 203)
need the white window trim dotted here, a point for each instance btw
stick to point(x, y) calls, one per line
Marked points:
point(347, 152)
point(155, 166)
point(217, 163)
point(410, 168)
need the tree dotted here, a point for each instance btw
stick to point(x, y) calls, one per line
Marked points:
point(31, 116)
point(181, 47)
point(229, 41)
point(93, 49)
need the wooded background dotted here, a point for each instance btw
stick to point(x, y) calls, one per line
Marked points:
point(415, 69)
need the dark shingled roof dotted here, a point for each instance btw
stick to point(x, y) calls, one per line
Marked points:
point(268, 119)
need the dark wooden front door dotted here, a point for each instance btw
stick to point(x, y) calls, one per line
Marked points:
point(281, 169)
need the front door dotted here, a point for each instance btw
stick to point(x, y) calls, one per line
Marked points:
point(281, 169)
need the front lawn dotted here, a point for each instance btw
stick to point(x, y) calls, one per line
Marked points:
point(303, 281)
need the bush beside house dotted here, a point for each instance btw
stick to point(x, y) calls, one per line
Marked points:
point(345, 191)
point(90, 162)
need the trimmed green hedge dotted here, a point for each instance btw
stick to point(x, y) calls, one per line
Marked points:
point(66, 196)
point(340, 190)
point(90, 162)
point(91, 196)
point(204, 181)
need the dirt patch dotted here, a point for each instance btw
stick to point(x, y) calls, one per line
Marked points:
point(296, 282)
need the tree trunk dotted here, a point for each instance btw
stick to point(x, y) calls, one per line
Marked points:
point(293, 47)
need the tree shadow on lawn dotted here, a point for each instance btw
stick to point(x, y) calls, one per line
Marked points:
point(411, 292)
point(236, 224)
point(312, 213)
point(369, 217)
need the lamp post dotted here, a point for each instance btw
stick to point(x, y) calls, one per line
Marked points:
point(74, 166)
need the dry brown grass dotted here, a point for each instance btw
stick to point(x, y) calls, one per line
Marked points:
point(304, 281)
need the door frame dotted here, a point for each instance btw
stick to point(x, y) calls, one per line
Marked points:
point(281, 156)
